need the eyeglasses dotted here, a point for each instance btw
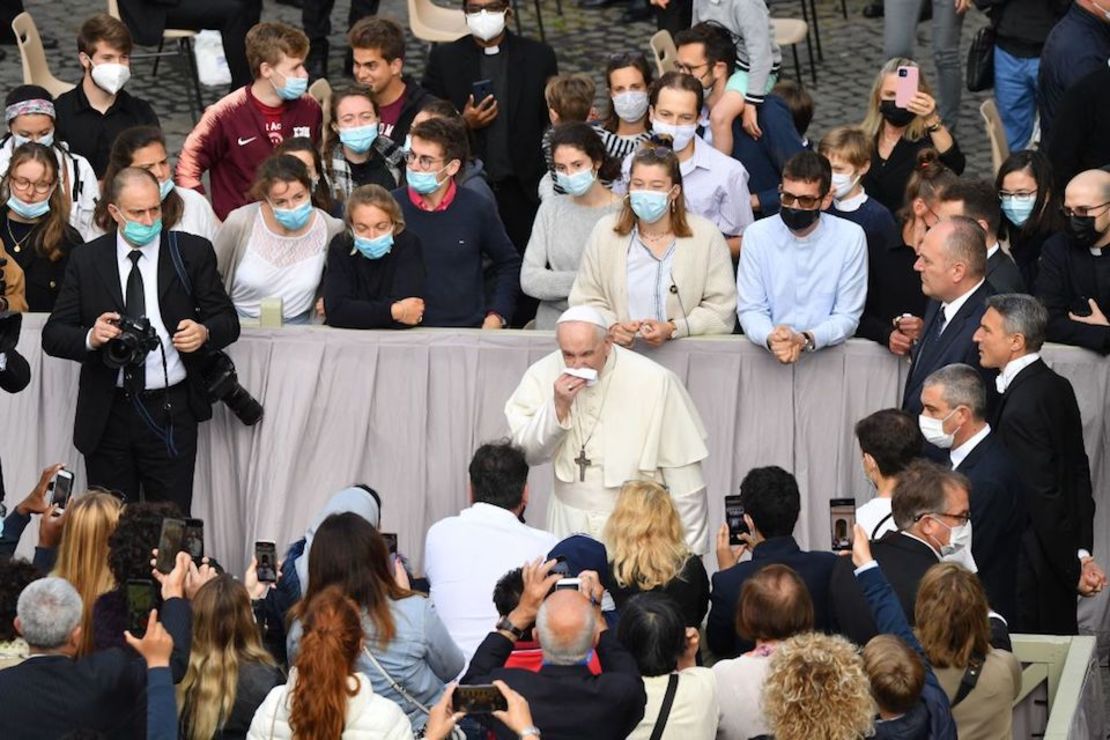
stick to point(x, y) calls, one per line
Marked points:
point(962, 518)
point(423, 160)
point(1082, 211)
point(805, 202)
point(23, 184)
point(1021, 195)
point(688, 69)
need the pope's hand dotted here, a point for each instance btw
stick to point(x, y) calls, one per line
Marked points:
point(566, 388)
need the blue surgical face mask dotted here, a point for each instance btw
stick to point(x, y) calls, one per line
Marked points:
point(577, 184)
point(165, 188)
point(359, 139)
point(376, 247)
point(139, 234)
point(1018, 210)
point(29, 210)
point(423, 182)
point(293, 219)
point(649, 205)
point(293, 88)
point(46, 139)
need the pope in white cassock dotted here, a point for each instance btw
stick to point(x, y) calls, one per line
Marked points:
point(604, 415)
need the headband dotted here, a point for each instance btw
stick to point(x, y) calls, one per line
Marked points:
point(29, 107)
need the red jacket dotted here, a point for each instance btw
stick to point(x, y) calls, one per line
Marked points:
point(231, 140)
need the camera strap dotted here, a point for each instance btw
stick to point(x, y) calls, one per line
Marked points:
point(179, 264)
point(165, 435)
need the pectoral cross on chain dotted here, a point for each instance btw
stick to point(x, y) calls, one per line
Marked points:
point(582, 462)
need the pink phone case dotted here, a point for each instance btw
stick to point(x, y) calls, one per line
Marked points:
point(907, 86)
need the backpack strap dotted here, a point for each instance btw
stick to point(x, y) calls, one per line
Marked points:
point(665, 708)
point(970, 680)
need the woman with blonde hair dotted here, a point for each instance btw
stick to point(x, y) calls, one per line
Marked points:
point(953, 625)
point(647, 551)
point(817, 690)
point(83, 553)
point(229, 673)
point(900, 133)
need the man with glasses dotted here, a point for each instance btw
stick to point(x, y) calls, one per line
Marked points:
point(802, 280)
point(1039, 420)
point(932, 510)
point(1074, 278)
point(952, 262)
point(508, 73)
point(457, 229)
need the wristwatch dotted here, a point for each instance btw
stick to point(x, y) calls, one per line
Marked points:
point(810, 344)
point(505, 625)
point(532, 731)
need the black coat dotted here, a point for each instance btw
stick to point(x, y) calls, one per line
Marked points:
point(1003, 274)
point(359, 292)
point(953, 345)
point(998, 519)
point(1039, 421)
point(453, 69)
point(1065, 281)
point(568, 702)
point(904, 561)
point(52, 696)
point(92, 287)
point(813, 567)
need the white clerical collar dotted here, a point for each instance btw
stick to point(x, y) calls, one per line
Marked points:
point(958, 454)
point(951, 309)
point(851, 204)
point(992, 249)
point(490, 51)
point(1013, 367)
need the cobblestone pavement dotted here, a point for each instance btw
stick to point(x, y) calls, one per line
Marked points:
point(582, 40)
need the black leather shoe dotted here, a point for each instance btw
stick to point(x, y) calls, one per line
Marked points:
point(873, 10)
point(636, 14)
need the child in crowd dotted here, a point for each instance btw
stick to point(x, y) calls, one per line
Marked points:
point(569, 98)
point(758, 59)
point(849, 151)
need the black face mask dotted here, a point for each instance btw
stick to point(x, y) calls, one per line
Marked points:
point(1082, 230)
point(797, 219)
point(894, 115)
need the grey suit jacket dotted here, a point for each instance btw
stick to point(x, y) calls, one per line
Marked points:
point(1003, 274)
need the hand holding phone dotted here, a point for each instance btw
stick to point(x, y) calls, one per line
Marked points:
point(480, 699)
point(170, 542)
point(734, 517)
point(906, 86)
point(141, 599)
point(193, 539)
point(842, 522)
point(265, 557)
point(63, 488)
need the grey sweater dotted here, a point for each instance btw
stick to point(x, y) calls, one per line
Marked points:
point(550, 265)
point(749, 22)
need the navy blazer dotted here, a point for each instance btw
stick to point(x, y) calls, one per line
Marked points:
point(998, 520)
point(953, 345)
point(813, 567)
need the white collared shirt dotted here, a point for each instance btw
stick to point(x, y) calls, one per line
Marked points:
point(848, 205)
point(992, 249)
point(958, 454)
point(649, 280)
point(951, 309)
point(148, 268)
point(1013, 367)
point(465, 556)
point(3, 361)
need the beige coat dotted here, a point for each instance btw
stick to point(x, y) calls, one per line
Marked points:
point(705, 301)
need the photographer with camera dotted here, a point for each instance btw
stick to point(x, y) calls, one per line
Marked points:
point(144, 312)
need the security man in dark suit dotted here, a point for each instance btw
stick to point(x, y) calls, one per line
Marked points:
point(771, 503)
point(955, 401)
point(1039, 420)
point(932, 511)
point(952, 261)
point(137, 424)
point(506, 127)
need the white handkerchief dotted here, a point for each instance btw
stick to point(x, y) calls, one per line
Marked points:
point(587, 374)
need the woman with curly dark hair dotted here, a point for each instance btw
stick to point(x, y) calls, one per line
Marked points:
point(15, 575)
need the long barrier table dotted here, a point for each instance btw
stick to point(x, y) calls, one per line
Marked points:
point(403, 411)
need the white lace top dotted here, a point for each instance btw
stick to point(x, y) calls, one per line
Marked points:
point(281, 266)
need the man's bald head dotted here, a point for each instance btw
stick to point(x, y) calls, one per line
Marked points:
point(128, 179)
point(567, 628)
point(952, 258)
point(1091, 185)
point(1088, 198)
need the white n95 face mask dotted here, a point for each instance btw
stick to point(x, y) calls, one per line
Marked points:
point(486, 25)
point(933, 431)
point(111, 77)
point(587, 374)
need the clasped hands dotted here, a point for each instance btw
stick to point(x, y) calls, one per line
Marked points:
point(907, 330)
point(786, 344)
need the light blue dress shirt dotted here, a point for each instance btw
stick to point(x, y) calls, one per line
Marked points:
point(817, 283)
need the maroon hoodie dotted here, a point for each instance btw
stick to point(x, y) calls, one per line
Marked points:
point(232, 139)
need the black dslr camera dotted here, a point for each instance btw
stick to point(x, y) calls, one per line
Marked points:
point(137, 339)
point(222, 384)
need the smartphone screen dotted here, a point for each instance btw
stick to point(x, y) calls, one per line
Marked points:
point(842, 518)
point(906, 86)
point(141, 598)
point(481, 90)
point(482, 699)
point(193, 542)
point(265, 554)
point(734, 515)
point(170, 542)
point(390, 542)
point(63, 488)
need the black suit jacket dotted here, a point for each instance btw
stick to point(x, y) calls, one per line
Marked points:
point(1065, 282)
point(998, 520)
point(1003, 274)
point(92, 287)
point(453, 68)
point(13, 379)
point(953, 345)
point(52, 696)
point(903, 559)
point(813, 567)
point(567, 702)
point(1039, 421)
